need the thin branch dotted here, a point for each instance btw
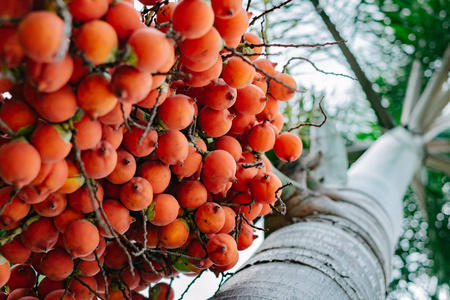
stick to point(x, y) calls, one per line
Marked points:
point(191, 284)
point(312, 124)
point(294, 45)
point(268, 11)
point(248, 5)
point(315, 67)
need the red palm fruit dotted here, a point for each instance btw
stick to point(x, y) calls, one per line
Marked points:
point(88, 133)
point(244, 176)
point(95, 96)
point(116, 116)
point(80, 70)
point(40, 236)
point(156, 173)
point(23, 293)
point(265, 210)
point(151, 47)
point(87, 10)
point(270, 110)
point(288, 147)
point(253, 39)
point(12, 9)
point(202, 49)
point(246, 237)
point(231, 145)
point(192, 194)
point(99, 250)
point(196, 250)
point(210, 217)
point(58, 294)
point(173, 147)
point(261, 82)
point(57, 106)
point(191, 164)
point(219, 95)
point(192, 18)
point(177, 112)
point(267, 164)
point(80, 238)
point(250, 211)
point(278, 122)
point(132, 138)
point(19, 163)
point(112, 190)
point(226, 9)
point(125, 168)
point(47, 286)
point(22, 276)
point(100, 161)
point(214, 187)
point(238, 73)
point(18, 115)
point(251, 100)
point(230, 220)
point(98, 41)
point(215, 123)
point(124, 18)
point(118, 216)
point(29, 195)
point(57, 264)
point(203, 78)
point(261, 138)
point(52, 142)
point(66, 217)
point(41, 34)
point(15, 252)
point(219, 167)
point(198, 66)
point(162, 291)
point(114, 136)
point(80, 200)
point(150, 100)
point(136, 194)
point(90, 268)
point(164, 15)
point(5, 273)
point(222, 249)
point(241, 122)
point(49, 77)
point(267, 66)
point(264, 186)
point(115, 256)
point(81, 291)
point(13, 212)
point(130, 85)
point(174, 234)
point(52, 206)
point(163, 210)
point(284, 88)
point(233, 27)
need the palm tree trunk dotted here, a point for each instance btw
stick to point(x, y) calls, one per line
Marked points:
point(341, 245)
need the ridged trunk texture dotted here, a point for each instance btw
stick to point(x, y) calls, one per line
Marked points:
point(341, 245)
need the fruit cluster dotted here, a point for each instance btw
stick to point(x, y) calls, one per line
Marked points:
point(132, 144)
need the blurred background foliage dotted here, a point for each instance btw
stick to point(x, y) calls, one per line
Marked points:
point(385, 36)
